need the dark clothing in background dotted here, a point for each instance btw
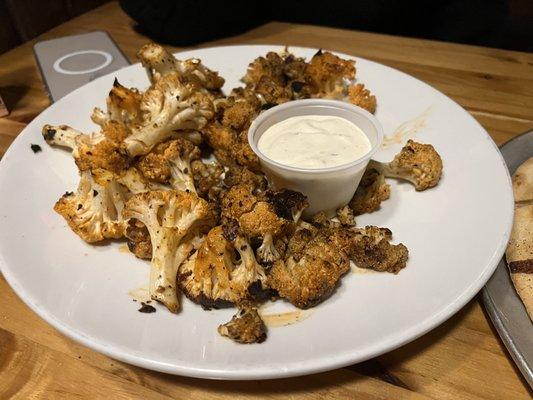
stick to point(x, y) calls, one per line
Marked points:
point(187, 22)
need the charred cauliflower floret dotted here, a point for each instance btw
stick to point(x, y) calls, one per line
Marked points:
point(123, 108)
point(220, 273)
point(327, 75)
point(370, 247)
point(417, 163)
point(159, 62)
point(176, 222)
point(372, 190)
point(94, 212)
point(277, 78)
point(170, 162)
point(358, 95)
point(245, 327)
point(70, 138)
point(170, 107)
point(311, 269)
point(90, 151)
point(287, 203)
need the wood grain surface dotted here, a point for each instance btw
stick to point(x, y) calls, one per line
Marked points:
point(462, 359)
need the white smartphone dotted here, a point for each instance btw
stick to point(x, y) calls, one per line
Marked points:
point(69, 62)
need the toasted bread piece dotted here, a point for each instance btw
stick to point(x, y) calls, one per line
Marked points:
point(519, 255)
point(523, 182)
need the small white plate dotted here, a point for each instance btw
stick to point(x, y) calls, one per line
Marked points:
point(456, 234)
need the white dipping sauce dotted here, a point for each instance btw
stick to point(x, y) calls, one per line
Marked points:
point(314, 141)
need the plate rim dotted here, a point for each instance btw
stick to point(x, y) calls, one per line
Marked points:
point(312, 366)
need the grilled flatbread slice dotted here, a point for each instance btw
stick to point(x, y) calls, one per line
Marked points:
point(523, 182)
point(519, 255)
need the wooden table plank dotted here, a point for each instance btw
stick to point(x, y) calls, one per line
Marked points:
point(463, 358)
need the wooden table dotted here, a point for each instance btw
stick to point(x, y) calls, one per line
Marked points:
point(462, 359)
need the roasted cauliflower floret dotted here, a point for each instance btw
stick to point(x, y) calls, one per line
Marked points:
point(90, 151)
point(70, 138)
point(358, 95)
point(278, 78)
point(270, 66)
point(222, 139)
point(345, 216)
point(139, 239)
point(238, 200)
point(327, 75)
point(94, 212)
point(170, 162)
point(159, 62)
point(287, 203)
point(239, 116)
point(123, 106)
point(370, 247)
point(169, 106)
point(220, 273)
point(263, 223)
point(241, 175)
point(417, 163)
point(311, 268)
point(245, 327)
point(176, 222)
point(372, 190)
point(207, 178)
point(272, 92)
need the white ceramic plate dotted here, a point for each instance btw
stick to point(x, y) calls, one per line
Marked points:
point(456, 234)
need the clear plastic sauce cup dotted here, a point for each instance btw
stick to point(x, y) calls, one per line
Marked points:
point(327, 189)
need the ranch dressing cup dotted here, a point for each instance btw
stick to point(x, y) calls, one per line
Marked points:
point(330, 188)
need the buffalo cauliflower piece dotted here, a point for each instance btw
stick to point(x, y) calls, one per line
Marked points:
point(158, 62)
point(312, 267)
point(176, 222)
point(417, 163)
point(245, 327)
point(170, 106)
point(220, 273)
point(372, 190)
point(94, 212)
